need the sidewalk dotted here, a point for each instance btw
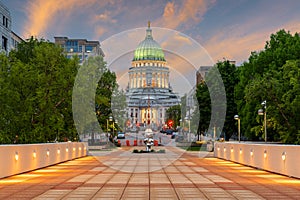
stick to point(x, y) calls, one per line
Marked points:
point(173, 175)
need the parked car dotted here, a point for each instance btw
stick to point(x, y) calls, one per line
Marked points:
point(169, 131)
point(121, 135)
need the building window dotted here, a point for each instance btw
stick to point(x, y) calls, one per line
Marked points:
point(88, 49)
point(4, 43)
point(5, 21)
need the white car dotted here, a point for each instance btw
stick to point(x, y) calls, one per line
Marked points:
point(121, 135)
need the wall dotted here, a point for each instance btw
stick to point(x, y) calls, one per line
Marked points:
point(282, 159)
point(17, 159)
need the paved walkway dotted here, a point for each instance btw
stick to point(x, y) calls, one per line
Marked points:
point(172, 175)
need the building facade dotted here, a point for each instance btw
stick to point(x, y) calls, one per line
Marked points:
point(149, 93)
point(5, 28)
point(80, 47)
point(15, 40)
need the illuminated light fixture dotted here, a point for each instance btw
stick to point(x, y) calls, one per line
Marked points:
point(85, 148)
point(79, 148)
point(224, 149)
point(48, 152)
point(58, 151)
point(265, 153)
point(34, 154)
point(241, 151)
point(67, 149)
point(74, 148)
point(251, 152)
point(283, 156)
point(16, 156)
point(218, 148)
point(231, 149)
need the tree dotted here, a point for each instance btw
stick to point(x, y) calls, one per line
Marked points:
point(37, 82)
point(230, 79)
point(271, 75)
point(92, 94)
point(216, 102)
point(204, 108)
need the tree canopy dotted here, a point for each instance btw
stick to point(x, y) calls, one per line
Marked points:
point(35, 94)
point(271, 75)
point(36, 86)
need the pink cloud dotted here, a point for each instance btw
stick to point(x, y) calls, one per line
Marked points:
point(188, 13)
point(237, 43)
point(42, 14)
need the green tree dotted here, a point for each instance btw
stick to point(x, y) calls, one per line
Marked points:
point(92, 96)
point(119, 106)
point(37, 81)
point(204, 108)
point(230, 79)
point(218, 90)
point(106, 88)
point(271, 75)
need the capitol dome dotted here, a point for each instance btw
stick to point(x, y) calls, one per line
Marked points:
point(149, 49)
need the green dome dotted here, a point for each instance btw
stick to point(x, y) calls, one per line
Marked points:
point(149, 49)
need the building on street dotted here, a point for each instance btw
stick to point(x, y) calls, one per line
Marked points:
point(79, 47)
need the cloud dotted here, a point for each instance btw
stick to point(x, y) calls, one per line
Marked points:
point(188, 13)
point(43, 14)
point(99, 30)
point(234, 47)
point(237, 43)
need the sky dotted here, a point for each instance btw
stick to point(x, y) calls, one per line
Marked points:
point(225, 29)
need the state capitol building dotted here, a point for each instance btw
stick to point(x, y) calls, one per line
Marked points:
point(149, 94)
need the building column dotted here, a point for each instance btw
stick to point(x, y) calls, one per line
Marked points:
point(131, 81)
point(166, 80)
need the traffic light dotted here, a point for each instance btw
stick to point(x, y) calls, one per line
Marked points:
point(170, 123)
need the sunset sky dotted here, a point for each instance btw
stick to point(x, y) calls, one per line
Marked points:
point(228, 29)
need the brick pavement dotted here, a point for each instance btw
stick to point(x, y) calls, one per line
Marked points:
point(173, 175)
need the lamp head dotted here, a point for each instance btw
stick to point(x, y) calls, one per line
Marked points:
point(260, 112)
point(236, 117)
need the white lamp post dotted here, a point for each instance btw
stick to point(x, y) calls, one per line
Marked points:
point(264, 113)
point(236, 117)
point(109, 119)
point(188, 120)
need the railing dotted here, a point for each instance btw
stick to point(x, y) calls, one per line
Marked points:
point(282, 159)
point(20, 158)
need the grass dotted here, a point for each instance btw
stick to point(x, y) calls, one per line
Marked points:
point(194, 148)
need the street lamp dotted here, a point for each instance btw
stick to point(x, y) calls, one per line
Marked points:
point(109, 119)
point(236, 117)
point(114, 122)
point(264, 113)
point(180, 123)
point(188, 120)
